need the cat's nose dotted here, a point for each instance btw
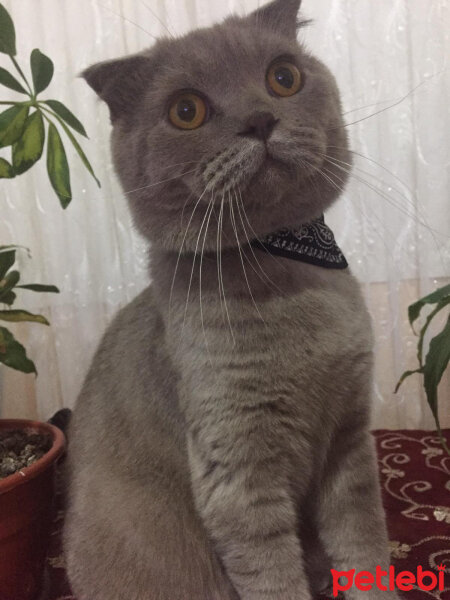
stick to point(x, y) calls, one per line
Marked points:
point(260, 125)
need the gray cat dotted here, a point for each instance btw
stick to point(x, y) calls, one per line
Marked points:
point(220, 446)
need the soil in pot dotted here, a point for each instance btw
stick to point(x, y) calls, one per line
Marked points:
point(20, 449)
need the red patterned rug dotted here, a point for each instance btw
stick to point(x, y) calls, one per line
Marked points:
point(415, 480)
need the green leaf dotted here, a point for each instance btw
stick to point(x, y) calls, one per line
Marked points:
point(37, 287)
point(78, 148)
point(41, 70)
point(13, 354)
point(404, 376)
point(19, 316)
point(8, 283)
point(7, 33)
point(440, 305)
point(10, 81)
point(436, 362)
point(433, 298)
point(28, 149)
point(58, 167)
point(12, 123)
point(6, 170)
point(66, 115)
point(7, 259)
point(9, 298)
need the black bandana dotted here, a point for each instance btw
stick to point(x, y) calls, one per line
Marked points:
point(312, 243)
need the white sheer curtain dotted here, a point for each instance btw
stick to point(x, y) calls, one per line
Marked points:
point(390, 58)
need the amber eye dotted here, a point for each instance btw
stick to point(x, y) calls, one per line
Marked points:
point(187, 111)
point(284, 78)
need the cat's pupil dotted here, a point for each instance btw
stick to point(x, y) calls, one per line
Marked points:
point(186, 110)
point(284, 77)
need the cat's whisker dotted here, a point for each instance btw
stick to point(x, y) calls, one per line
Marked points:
point(210, 209)
point(157, 18)
point(194, 257)
point(393, 105)
point(339, 189)
point(348, 168)
point(389, 199)
point(347, 112)
point(181, 251)
point(274, 258)
point(377, 179)
point(233, 222)
point(218, 252)
point(221, 270)
point(185, 203)
point(349, 171)
point(133, 191)
point(395, 102)
point(423, 223)
point(121, 16)
point(417, 205)
point(263, 273)
point(369, 219)
point(185, 162)
point(311, 179)
point(329, 179)
point(144, 187)
point(377, 190)
point(391, 173)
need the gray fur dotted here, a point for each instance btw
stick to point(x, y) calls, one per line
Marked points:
point(220, 446)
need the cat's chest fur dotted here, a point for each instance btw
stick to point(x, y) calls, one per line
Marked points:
point(297, 339)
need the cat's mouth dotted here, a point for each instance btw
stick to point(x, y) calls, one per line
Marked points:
point(297, 159)
point(272, 160)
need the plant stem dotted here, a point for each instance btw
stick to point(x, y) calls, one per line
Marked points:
point(45, 117)
point(53, 114)
point(15, 63)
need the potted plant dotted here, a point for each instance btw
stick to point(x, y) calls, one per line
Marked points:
point(437, 359)
point(28, 450)
point(26, 503)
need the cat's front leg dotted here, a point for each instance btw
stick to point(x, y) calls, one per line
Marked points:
point(242, 492)
point(352, 518)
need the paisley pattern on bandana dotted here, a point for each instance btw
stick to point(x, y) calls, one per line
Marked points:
point(312, 243)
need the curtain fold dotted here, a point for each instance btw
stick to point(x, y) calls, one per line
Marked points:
point(390, 59)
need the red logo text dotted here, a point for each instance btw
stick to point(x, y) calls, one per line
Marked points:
point(387, 580)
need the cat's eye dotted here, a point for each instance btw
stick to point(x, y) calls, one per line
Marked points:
point(188, 111)
point(284, 78)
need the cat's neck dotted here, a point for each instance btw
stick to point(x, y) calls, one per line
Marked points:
point(247, 273)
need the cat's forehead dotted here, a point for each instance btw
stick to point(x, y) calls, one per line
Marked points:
point(220, 55)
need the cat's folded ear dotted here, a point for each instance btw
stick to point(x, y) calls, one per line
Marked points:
point(120, 83)
point(281, 16)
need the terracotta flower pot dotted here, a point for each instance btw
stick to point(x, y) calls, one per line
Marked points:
point(26, 511)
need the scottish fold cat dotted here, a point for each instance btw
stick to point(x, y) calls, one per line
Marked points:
point(220, 449)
